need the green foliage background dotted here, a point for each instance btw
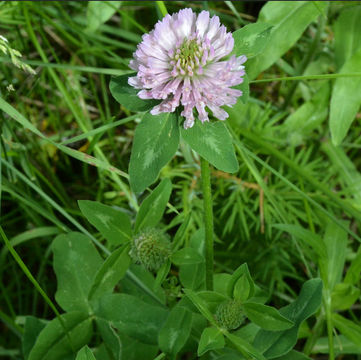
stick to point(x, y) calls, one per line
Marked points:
point(292, 211)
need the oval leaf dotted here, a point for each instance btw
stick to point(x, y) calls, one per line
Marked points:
point(332, 267)
point(291, 18)
point(266, 317)
point(127, 96)
point(345, 99)
point(192, 276)
point(98, 12)
point(175, 331)
point(201, 305)
point(85, 354)
point(186, 256)
point(111, 338)
point(212, 141)
point(211, 339)
point(113, 224)
point(242, 288)
point(76, 262)
point(52, 342)
point(234, 291)
point(245, 347)
point(347, 34)
point(294, 355)
point(112, 270)
point(32, 328)
point(251, 39)
point(162, 274)
point(133, 317)
point(212, 299)
point(277, 343)
point(156, 140)
point(353, 273)
point(344, 296)
point(244, 87)
point(152, 208)
point(142, 284)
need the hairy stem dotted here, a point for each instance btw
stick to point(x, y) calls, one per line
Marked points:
point(208, 221)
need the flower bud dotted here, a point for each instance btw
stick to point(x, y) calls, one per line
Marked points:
point(151, 248)
point(229, 314)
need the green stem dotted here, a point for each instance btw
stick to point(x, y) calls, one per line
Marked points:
point(27, 272)
point(208, 221)
point(327, 302)
point(307, 77)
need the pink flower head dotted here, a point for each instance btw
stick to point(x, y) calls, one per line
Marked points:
point(180, 63)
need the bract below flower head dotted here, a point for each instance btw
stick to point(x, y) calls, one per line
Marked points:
point(180, 62)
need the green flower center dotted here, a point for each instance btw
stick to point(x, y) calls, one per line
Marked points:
point(189, 57)
point(188, 51)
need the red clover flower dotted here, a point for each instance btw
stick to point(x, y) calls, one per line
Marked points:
point(180, 62)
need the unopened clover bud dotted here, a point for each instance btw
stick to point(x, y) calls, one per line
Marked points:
point(151, 248)
point(229, 314)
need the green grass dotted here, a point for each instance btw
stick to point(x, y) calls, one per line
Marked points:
point(64, 138)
